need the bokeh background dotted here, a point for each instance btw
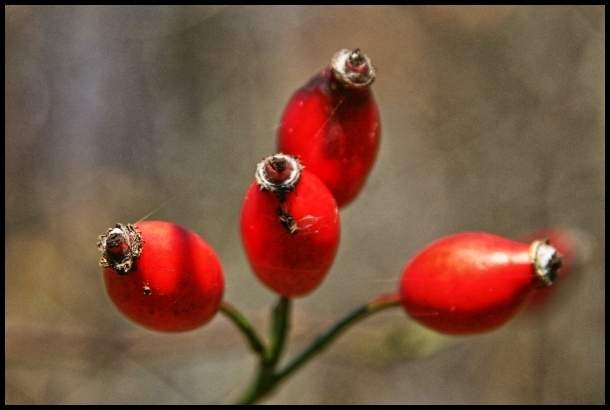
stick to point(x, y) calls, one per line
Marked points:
point(492, 120)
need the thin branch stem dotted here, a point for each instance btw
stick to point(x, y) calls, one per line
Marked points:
point(324, 340)
point(260, 385)
point(268, 378)
point(265, 379)
point(279, 329)
point(246, 328)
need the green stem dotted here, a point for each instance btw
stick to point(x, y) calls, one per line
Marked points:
point(245, 327)
point(279, 329)
point(268, 378)
point(322, 341)
point(265, 379)
point(261, 385)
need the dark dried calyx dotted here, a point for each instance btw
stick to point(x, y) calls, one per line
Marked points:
point(119, 248)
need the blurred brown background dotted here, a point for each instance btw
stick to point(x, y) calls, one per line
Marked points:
point(492, 120)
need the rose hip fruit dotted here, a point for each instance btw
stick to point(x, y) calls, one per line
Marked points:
point(289, 226)
point(474, 282)
point(161, 275)
point(332, 125)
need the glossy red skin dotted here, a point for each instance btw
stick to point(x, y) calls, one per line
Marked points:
point(563, 241)
point(291, 264)
point(184, 276)
point(334, 132)
point(467, 283)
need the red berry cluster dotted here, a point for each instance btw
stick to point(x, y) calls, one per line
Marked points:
point(167, 278)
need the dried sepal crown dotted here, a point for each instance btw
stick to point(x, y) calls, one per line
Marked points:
point(120, 247)
point(546, 260)
point(353, 68)
point(278, 173)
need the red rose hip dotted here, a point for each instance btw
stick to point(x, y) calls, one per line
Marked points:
point(332, 125)
point(289, 226)
point(161, 275)
point(474, 282)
